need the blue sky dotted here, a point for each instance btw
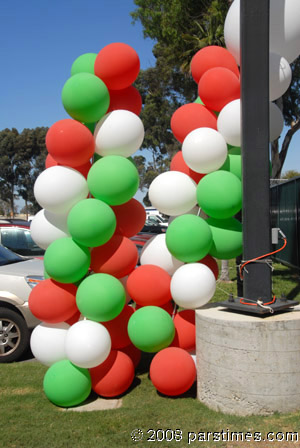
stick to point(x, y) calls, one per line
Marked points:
point(41, 39)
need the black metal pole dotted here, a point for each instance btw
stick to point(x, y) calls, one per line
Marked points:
point(254, 20)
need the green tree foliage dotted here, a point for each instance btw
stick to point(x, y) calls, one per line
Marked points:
point(290, 174)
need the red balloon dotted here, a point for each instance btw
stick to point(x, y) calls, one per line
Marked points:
point(53, 302)
point(114, 376)
point(185, 330)
point(83, 169)
point(75, 318)
point(168, 307)
point(70, 143)
point(178, 164)
point(189, 117)
point(117, 65)
point(50, 161)
point(117, 328)
point(126, 99)
point(218, 87)
point(134, 354)
point(131, 217)
point(172, 371)
point(118, 257)
point(212, 264)
point(210, 57)
point(149, 285)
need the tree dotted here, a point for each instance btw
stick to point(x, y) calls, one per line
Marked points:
point(290, 174)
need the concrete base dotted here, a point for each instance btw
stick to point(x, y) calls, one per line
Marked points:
point(246, 364)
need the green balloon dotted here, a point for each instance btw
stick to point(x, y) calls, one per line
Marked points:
point(113, 179)
point(219, 194)
point(84, 64)
point(233, 164)
point(227, 238)
point(151, 329)
point(199, 101)
point(85, 97)
point(100, 297)
point(189, 238)
point(66, 261)
point(235, 150)
point(97, 157)
point(66, 384)
point(90, 126)
point(91, 222)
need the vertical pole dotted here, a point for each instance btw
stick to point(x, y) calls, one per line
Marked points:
point(255, 145)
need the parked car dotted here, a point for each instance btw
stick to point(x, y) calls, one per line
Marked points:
point(17, 278)
point(16, 237)
point(153, 227)
point(157, 219)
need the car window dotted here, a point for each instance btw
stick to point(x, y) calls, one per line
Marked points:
point(20, 241)
point(7, 257)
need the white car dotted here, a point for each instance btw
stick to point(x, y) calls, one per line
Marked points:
point(17, 278)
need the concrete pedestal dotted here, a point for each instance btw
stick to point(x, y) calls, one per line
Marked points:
point(246, 364)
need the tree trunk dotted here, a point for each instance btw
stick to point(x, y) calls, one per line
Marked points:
point(224, 277)
point(278, 158)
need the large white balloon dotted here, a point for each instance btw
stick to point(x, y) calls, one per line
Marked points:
point(280, 76)
point(193, 285)
point(204, 150)
point(47, 342)
point(156, 252)
point(58, 188)
point(47, 227)
point(276, 122)
point(120, 133)
point(173, 193)
point(229, 122)
point(284, 29)
point(87, 344)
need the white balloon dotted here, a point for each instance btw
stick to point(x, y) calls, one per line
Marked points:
point(87, 344)
point(193, 285)
point(276, 122)
point(284, 29)
point(280, 76)
point(120, 133)
point(173, 193)
point(204, 150)
point(47, 227)
point(156, 252)
point(58, 188)
point(194, 211)
point(229, 122)
point(47, 342)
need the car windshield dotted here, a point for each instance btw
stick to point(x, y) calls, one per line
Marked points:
point(8, 257)
point(19, 240)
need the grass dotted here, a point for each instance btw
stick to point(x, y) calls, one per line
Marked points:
point(29, 420)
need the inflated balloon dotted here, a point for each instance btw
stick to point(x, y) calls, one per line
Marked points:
point(84, 64)
point(70, 143)
point(113, 179)
point(168, 307)
point(151, 329)
point(118, 65)
point(189, 117)
point(172, 371)
point(85, 97)
point(204, 150)
point(233, 164)
point(47, 342)
point(67, 385)
point(118, 257)
point(229, 123)
point(155, 252)
point(227, 238)
point(114, 376)
point(75, 318)
point(131, 217)
point(83, 169)
point(53, 302)
point(91, 222)
point(47, 227)
point(59, 188)
point(185, 330)
point(100, 297)
point(66, 261)
point(210, 57)
point(219, 194)
point(149, 285)
point(126, 99)
point(134, 354)
point(280, 76)
point(193, 285)
point(276, 122)
point(123, 280)
point(217, 87)
point(87, 344)
point(117, 328)
point(189, 238)
point(119, 133)
point(178, 164)
point(212, 264)
point(173, 193)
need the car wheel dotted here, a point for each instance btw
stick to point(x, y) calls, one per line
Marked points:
point(14, 335)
